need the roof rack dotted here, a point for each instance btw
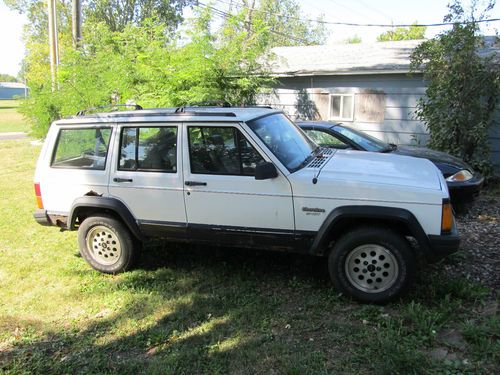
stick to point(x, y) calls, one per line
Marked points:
point(83, 112)
point(213, 103)
point(219, 103)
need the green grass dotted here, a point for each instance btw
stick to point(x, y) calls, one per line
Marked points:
point(192, 310)
point(10, 119)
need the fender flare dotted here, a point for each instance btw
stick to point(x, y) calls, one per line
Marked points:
point(105, 203)
point(373, 213)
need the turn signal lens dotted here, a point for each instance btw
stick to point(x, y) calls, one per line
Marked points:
point(38, 194)
point(463, 175)
point(447, 217)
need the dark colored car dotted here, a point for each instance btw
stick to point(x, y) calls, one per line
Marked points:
point(463, 182)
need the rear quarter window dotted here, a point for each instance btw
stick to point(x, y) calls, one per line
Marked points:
point(85, 148)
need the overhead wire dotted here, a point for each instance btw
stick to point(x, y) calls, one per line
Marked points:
point(227, 15)
point(339, 23)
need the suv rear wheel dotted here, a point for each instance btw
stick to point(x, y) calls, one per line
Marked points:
point(106, 244)
point(372, 264)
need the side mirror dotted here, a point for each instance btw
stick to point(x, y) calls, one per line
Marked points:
point(265, 171)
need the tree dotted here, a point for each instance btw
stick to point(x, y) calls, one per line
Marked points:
point(403, 33)
point(145, 65)
point(280, 23)
point(149, 63)
point(462, 90)
point(119, 13)
point(115, 13)
point(7, 78)
point(355, 39)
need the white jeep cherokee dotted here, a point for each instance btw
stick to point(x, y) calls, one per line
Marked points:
point(242, 177)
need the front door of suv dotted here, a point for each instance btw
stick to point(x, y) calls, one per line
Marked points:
point(224, 201)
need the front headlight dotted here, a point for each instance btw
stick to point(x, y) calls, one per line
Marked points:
point(463, 175)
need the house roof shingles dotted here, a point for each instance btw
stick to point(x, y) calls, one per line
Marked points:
point(362, 58)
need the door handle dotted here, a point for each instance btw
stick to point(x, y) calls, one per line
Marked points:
point(195, 183)
point(118, 179)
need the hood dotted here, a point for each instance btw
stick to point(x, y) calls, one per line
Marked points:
point(379, 168)
point(437, 157)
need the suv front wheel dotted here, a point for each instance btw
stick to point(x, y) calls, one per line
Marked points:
point(372, 264)
point(106, 244)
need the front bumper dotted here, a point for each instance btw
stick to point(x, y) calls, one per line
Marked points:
point(465, 190)
point(443, 245)
point(41, 217)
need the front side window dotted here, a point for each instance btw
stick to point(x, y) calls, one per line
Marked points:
point(285, 140)
point(221, 150)
point(148, 149)
point(85, 148)
point(341, 107)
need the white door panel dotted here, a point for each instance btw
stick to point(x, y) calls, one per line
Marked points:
point(150, 195)
point(236, 200)
point(239, 201)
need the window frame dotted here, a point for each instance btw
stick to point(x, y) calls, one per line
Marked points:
point(238, 133)
point(342, 96)
point(136, 149)
point(91, 127)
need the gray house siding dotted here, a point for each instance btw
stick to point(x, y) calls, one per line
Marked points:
point(308, 98)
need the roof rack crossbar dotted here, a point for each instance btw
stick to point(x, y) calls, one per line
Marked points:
point(180, 114)
point(220, 103)
point(83, 112)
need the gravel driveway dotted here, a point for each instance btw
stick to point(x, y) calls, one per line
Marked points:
point(479, 255)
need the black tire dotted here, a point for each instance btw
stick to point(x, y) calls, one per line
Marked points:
point(112, 250)
point(374, 265)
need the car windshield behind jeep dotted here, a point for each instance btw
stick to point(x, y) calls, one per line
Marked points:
point(287, 142)
point(366, 141)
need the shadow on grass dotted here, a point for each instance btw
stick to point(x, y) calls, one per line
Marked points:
point(196, 310)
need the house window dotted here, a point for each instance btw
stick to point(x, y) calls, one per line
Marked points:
point(341, 107)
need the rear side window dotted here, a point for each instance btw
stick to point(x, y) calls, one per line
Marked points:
point(82, 148)
point(148, 149)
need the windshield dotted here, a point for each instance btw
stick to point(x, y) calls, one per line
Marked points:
point(364, 140)
point(286, 141)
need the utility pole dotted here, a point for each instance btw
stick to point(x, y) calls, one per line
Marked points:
point(77, 23)
point(54, 53)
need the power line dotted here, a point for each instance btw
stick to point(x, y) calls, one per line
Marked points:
point(358, 24)
point(226, 15)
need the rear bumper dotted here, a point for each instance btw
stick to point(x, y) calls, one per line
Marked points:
point(443, 245)
point(42, 218)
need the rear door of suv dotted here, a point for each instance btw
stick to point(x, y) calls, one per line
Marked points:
point(146, 175)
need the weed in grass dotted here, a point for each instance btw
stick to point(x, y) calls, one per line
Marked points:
point(483, 337)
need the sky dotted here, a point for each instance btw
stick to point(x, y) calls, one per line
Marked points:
point(354, 11)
